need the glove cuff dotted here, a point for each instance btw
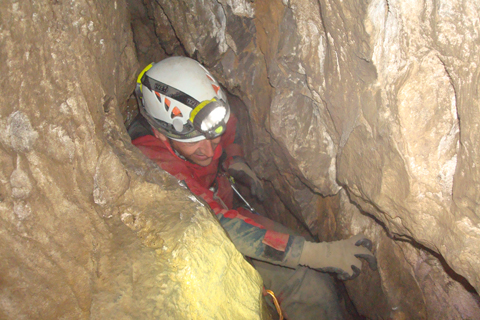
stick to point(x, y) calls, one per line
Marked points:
point(313, 254)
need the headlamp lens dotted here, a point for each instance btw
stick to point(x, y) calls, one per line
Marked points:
point(209, 118)
point(213, 119)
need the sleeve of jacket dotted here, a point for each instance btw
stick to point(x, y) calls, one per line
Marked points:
point(252, 238)
point(256, 241)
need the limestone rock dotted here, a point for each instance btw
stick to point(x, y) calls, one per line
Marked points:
point(111, 180)
point(378, 98)
point(22, 135)
point(90, 228)
point(414, 132)
point(411, 281)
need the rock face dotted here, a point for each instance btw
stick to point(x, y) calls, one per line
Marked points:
point(358, 116)
point(89, 228)
point(378, 99)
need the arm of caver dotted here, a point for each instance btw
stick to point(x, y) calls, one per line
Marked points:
point(250, 236)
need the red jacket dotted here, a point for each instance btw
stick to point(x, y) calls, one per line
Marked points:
point(250, 233)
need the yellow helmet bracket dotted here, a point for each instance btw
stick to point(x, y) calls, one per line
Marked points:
point(140, 76)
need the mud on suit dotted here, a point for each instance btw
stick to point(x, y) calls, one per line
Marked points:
point(302, 292)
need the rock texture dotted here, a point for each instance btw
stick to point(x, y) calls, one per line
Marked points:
point(379, 99)
point(89, 228)
point(358, 116)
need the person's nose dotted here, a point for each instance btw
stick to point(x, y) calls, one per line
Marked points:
point(207, 148)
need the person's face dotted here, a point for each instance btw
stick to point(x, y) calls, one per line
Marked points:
point(200, 152)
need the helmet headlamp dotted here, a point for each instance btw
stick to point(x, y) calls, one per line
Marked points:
point(209, 118)
point(175, 111)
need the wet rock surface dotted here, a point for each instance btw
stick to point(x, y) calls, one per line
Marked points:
point(359, 117)
point(90, 229)
point(377, 99)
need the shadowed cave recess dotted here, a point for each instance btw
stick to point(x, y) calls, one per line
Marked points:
point(357, 117)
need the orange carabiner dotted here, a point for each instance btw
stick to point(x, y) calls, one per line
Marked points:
point(275, 301)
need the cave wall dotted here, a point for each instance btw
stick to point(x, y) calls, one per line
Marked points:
point(90, 229)
point(368, 105)
point(362, 117)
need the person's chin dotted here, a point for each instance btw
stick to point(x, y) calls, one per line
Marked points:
point(202, 162)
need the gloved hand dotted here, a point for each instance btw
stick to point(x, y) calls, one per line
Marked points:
point(339, 256)
point(242, 173)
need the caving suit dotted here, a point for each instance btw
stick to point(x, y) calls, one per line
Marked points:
point(254, 236)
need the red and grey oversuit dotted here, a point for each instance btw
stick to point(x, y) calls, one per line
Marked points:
point(252, 238)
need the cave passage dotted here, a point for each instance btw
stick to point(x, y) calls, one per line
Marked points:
point(279, 150)
point(357, 118)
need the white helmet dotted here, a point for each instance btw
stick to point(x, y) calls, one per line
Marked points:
point(182, 100)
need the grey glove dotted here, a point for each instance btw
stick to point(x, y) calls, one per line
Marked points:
point(242, 173)
point(339, 256)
